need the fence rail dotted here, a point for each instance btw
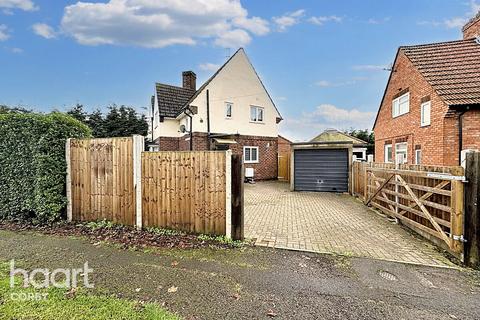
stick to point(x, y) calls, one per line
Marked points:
point(427, 199)
point(113, 179)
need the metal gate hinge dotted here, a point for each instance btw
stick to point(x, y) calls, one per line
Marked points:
point(459, 238)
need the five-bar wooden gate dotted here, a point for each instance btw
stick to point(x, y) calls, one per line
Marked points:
point(430, 203)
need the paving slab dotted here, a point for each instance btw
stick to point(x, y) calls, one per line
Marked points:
point(329, 223)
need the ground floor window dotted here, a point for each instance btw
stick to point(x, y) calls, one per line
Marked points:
point(388, 153)
point(250, 154)
point(418, 156)
point(401, 152)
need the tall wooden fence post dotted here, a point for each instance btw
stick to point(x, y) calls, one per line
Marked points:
point(228, 194)
point(472, 210)
point(69, 180)
point(457, 217)
point(138, 148)
point(237, 216)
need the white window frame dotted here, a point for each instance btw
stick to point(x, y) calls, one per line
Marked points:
point(245, 160)
point(227, 106)
point(418, 156)
point(388, 154)
point(257, 108)
point(425, 112)
point(404, 150)
point(401, 105)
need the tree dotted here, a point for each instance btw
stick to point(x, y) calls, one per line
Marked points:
point(365, 135)
point(120, 121)
point(78, 113)
point(7, 109)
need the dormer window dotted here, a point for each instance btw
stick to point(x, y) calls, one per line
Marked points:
point(228, 110)
point(401, 105)
point(256, 114)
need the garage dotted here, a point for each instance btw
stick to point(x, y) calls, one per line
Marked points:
point(321, 169)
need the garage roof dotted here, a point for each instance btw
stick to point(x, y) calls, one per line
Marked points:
point(333, 135)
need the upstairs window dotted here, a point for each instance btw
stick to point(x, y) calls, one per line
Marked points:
point(256, 114)
point(401, 105)
point(250, 154)
point(228, 110)
point(425, 114)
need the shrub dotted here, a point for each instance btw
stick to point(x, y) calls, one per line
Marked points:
point(32, 164)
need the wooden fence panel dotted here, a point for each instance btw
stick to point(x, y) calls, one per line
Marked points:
point(101, 180)
point(431, 204)
point(185, 191)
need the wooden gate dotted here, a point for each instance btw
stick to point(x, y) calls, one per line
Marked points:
point(430, 203)
point(284, 166)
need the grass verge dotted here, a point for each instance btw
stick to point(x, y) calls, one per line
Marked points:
point(69, 304)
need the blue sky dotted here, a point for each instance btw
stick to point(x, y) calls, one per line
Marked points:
point(322, 61)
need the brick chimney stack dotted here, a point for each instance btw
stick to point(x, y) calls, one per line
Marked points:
point(189, 80)
point(472, 28)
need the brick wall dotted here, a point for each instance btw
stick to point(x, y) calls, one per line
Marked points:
point(472, 28)
point(471, 130)
point(167, 143)
point(439, 140)
point(265, 169)
point(284, 145)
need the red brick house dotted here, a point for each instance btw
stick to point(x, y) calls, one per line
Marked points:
point(231, 110)
point(430, 110)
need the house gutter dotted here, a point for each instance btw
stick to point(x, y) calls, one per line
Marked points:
point(208, 119)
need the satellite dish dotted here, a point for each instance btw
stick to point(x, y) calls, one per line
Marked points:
point(182, 128)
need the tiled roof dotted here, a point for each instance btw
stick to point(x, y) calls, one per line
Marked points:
point(171, 99)
point(452, 68)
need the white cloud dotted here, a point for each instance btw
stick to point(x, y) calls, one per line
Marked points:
point(44, 30)
point(26, 5)
point(324, 19)
point(255, 25)
point(209, 67)
point(369, 67)
point(310, 124)
point(455, 22)
point(326, 83)
point(323, 83)
point(4, 35)
point(155, 24)
point(233, 38)
point(288, 19)
point(378, 21)
point(474, 7)
point(16, 50)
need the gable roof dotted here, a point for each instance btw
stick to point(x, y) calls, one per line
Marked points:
point(333, 135)
point(452, 69)
point(171, 99)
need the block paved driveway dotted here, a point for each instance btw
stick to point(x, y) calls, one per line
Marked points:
point(329, 223)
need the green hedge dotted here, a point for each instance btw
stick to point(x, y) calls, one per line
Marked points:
point(32, 164)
